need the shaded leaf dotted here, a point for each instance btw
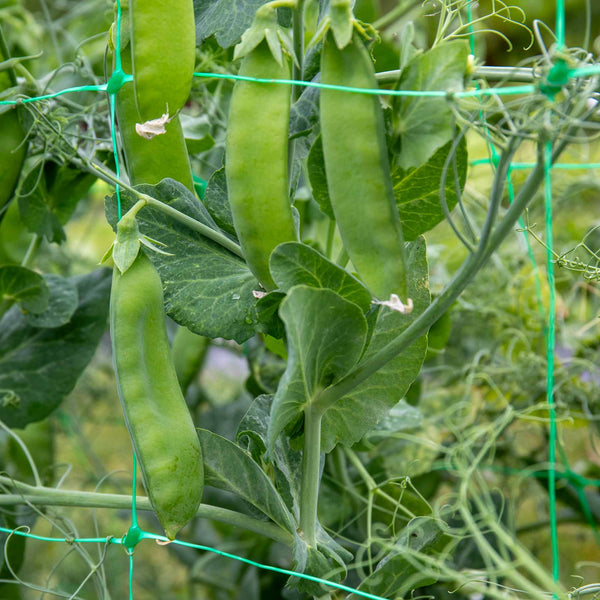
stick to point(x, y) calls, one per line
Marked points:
point(401, 571)
point(63, 302)
point(24, 286)
point(417, 190)
point(217, 202)
point(228, 467)
point(40, 366)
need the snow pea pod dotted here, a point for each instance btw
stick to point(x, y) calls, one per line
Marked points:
point(159, 423)
point(163, 54)
point(256, 162)
point(357, 169)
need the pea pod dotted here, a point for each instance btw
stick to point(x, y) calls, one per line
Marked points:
point(12, 146)
point(163, 54)
point(256, 163)
point(150, 160)
point(357, 169)
point(159, 423)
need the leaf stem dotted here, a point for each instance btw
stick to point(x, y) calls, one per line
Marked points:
point(311, 466)
point(44, 496)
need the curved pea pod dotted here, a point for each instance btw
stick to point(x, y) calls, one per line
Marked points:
point(163, 50)
point(162, 432)
point(357, 169)
point(256, 163)
point(189, 350)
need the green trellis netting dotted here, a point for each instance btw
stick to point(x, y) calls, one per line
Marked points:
point(556, 77)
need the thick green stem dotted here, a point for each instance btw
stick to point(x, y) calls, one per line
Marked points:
point(44, 496)
point(311, 461)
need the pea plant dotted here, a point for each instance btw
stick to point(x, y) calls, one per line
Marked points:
point(295, 183)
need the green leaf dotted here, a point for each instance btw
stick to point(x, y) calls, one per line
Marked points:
point(40, 366)
point(293, 263)
point(326, 335)
point(304, 113)
point(417, 190)
point(63, 302)
point(228, 467)
point(425, 124)
point(401, 570)
point(217, 202)
point(207, 288)
point(196, 131)
point(352, 416)
point(24, 286)
point(315, 164)
point(209, 19)
point(49, 196)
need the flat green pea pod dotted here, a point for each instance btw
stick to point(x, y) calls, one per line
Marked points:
point(163, 54)
point(256, 163)
point(12, 135)
point(357, 169)
point(164, 437)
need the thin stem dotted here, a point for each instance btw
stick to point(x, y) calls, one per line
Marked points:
point(394, 15)
point(44, 496)
point(32, 249)
point(512, 74)
point(311, 466)
point(204, 230)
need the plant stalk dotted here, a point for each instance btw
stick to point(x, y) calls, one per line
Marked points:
point(311, 470)
point(44, 496)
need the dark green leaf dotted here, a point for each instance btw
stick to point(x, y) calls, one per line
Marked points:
point(63, 302)
point(304, 113)
point(293, 263)
point(360, 411)
point(207, 288)
point(49, 196)
point(228, 467)
point(318, 177)
point(24, 286)
point(217, 203)
point(424, 124)
point(40, 366)
point(417, 191)
point(326, 335)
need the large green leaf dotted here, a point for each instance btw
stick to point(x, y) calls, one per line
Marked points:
point(417, 190)
point(228, 467)
point(422, 123)
point(207, 288)
point(293, 263)
point(40, 366)
point(352, 416)
point(326, 335)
